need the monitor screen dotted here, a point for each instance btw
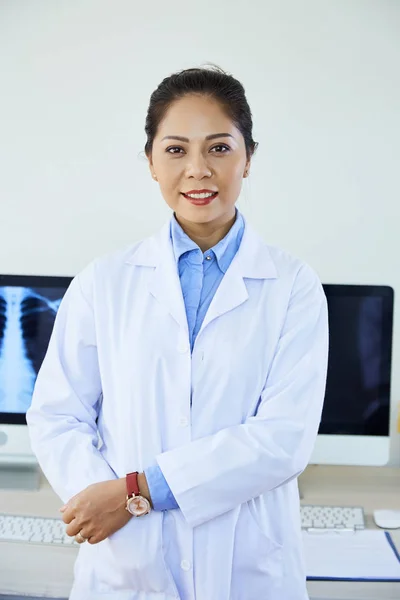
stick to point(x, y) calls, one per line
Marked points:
point(28, 306)
point(357, 399)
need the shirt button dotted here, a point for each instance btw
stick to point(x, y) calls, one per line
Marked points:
point(183, 422)
point(185, 565)
point(208, 257)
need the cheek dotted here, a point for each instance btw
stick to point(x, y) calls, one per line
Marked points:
point(165, 169)
point(170, 176)
point(231, 175)
point(233, 166)
point(170, 187)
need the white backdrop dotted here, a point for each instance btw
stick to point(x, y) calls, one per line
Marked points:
point(322, 78)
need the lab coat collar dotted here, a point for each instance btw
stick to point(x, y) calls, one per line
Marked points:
point(253, 259)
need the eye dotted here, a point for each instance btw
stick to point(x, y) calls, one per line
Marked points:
point(220, 149)
point(174, 150)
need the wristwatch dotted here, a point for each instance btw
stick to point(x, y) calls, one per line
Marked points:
point(136, 504)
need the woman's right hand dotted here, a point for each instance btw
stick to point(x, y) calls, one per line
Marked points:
point(97, 511)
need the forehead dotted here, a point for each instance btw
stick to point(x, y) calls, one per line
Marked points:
point(196, 116)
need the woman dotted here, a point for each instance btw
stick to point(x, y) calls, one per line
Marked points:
point(198, 357)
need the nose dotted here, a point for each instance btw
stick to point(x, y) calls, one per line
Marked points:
point(198, 168)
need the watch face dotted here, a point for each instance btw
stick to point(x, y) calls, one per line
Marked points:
point(138, 506)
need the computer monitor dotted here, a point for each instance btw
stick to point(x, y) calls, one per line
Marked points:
point(28, 306)
point(354, 429)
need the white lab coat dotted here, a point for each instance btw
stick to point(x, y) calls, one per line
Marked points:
point(256, 379)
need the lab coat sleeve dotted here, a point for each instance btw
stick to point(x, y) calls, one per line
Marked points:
point(214, 474)
point(62, 416)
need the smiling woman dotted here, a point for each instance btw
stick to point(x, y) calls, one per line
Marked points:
point(206, 114)
point(198, 357)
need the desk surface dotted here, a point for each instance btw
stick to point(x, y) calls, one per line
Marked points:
point(47, 571)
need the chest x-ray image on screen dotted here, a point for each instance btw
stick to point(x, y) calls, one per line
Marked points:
point(27, 319)
point(28, 308)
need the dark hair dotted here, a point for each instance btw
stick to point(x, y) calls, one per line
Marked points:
point(210, 81)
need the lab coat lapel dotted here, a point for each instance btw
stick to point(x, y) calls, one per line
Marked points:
point(164, 284)
point(166, 288)
point(231, 293)
point(252, 260)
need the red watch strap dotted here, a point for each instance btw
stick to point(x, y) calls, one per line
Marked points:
point(132, 486)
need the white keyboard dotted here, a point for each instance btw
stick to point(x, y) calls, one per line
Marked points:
point(34, 530)
point(40, 530)
point(316, 518)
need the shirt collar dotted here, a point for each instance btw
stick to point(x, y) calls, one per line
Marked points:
point(224, 251)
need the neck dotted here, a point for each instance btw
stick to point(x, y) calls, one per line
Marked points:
point(207, 235)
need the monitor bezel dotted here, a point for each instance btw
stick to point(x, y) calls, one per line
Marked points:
point(45, 281)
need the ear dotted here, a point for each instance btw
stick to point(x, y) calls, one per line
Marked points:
point(247, 169)
point(151, 167)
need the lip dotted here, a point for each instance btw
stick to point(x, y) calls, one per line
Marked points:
point(200, 201)
point(201, 192)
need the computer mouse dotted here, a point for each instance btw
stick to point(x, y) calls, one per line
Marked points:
point(387, 519)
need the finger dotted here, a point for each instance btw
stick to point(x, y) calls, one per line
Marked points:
point(67, 504)
point(68, 514)
point(73, 528)
point(96, 538)
point(81, 538)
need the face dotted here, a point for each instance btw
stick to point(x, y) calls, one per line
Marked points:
point(199, 160)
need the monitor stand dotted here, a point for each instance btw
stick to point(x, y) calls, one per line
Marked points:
point(19, 477)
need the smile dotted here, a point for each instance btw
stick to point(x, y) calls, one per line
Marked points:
point(201, 197)
point(200, 194)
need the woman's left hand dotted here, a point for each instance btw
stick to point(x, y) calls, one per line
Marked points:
point(97, 511)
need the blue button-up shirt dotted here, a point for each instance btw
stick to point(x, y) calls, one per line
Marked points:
point(200, 274)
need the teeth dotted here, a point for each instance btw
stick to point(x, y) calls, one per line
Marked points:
point(200, 196)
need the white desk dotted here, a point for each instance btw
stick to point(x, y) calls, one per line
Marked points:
point(37, 570)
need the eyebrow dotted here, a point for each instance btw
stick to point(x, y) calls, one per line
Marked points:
point(213, 136)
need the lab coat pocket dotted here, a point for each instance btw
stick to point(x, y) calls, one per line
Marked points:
point(257, 561)
point(132, 559)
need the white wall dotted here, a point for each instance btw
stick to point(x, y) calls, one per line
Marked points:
point(322, 78)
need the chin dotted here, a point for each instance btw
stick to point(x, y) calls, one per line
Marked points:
point(198, 215)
